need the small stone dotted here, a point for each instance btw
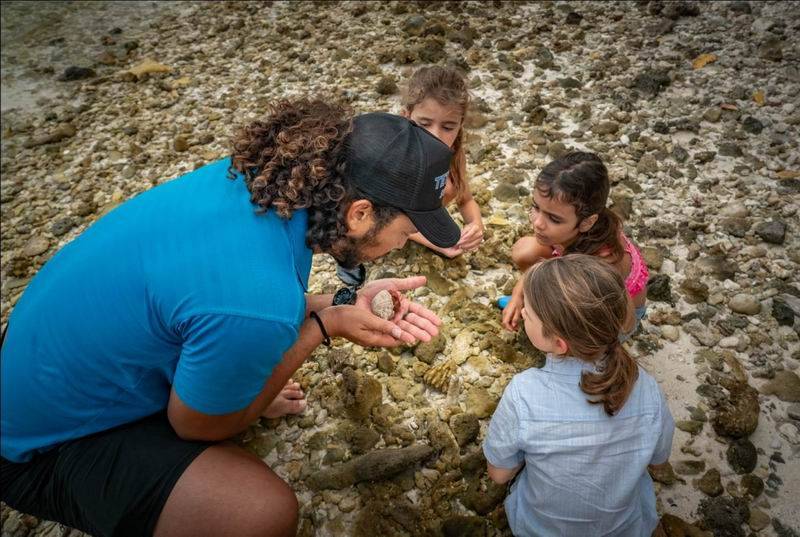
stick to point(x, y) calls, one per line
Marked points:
point(695, 291)
point(782, 312)
point(758, 519)
point(689, 426)
point(35, 246)
point(658, 288)
point(647, 164)
point(712, 115)
point(606, 127)
point(793, 411)
point(385, 363)
point(386, 85)
point(670, 333)
point(181, 143)
point(753, 485)
point(506, 192)
point(651, 82)
point(742, 456)
point(729, 149)
point(737, 415)
point(480, 403)
point(465, 428)
point(745, 304)
point(414, 25)
point(74, 72)
point(427, 352)
point(689, 467)
point(785, 385)
point(724, 516)
point(789, 432)
point(710, 483)
point(771, 49)
point(773, 232)
point(663, 473)
point(570, 83)
point(61, 226)
point(752, 125)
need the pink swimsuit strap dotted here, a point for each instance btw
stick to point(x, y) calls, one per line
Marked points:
point(638, 276)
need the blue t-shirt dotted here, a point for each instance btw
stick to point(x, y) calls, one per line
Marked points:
point(183, 286)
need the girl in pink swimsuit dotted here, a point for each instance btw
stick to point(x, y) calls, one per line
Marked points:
point(569, 215)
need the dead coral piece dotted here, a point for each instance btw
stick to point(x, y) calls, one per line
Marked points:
point(374, 466)
point(439, 375)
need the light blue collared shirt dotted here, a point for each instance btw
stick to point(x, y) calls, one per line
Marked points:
point(585, 472)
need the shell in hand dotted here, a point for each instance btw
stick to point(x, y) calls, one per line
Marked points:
point(385, 303)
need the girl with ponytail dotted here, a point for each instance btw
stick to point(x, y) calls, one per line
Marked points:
point(569, 215)
point(582, 430)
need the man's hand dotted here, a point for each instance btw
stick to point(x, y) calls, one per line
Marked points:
point(415, 321)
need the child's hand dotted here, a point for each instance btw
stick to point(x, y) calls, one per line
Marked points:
point(512, 313)
point(471, 237)
point(450, 253)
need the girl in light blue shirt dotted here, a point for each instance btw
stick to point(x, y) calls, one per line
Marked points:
point(580, 432)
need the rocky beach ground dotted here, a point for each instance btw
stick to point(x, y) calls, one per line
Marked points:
point(694, 106)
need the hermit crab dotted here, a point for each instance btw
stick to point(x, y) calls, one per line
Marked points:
point(386, 303)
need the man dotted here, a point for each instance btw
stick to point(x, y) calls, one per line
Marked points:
point(176, 320)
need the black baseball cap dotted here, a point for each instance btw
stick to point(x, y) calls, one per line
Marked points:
point(393, 161)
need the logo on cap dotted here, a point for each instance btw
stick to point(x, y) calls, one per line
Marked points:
point(439, 184)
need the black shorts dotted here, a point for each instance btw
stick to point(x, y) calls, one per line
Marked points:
point(113, 483)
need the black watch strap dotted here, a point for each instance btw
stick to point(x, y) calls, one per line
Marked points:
point(345, 296)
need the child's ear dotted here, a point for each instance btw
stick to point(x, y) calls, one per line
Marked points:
point(587, 223)
point(562, 346)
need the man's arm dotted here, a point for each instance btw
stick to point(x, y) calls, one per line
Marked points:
point(317, 302)
point(193, 425)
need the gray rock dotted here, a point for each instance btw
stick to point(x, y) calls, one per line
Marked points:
point(506, 192)
point(729, 149)
point(605, 127)
point(426, 352)
point(773, 232)
point(745, 304)
point(690, 426)
point(647, 164)
point(36, 245)
point(752, 125)
point(752, 485)
point(735, 226)
point(62, 225)
point(694, 291)
point(793, 411)
point(785, 385)
point(74, 72)
point(782, 312)
point(771, 49)
point(374, 466)
point(414, 25)
point(652, 82)
point(659, 288)
point(570, 83)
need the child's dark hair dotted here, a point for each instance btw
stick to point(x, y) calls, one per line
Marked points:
point(447, 86)
point(581, 180)
point(582, 300)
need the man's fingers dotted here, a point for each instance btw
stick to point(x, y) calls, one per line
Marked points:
point(422, 323)
point(422, 311)
point(415, 331)
point(412, 282)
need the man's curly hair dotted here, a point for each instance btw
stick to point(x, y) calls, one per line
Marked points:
point(296, 159)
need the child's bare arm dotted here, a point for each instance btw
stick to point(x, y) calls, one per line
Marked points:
point(502, 475)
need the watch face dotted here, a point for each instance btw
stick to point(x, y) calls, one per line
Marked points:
point(345, 295)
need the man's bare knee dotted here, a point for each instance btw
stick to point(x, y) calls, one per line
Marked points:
point(279, 514)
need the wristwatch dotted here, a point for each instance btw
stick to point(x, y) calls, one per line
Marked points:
point(345, 295)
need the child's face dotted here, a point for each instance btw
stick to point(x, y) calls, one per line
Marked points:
point(553, 221)
point(442, 121)
point(533, 329)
